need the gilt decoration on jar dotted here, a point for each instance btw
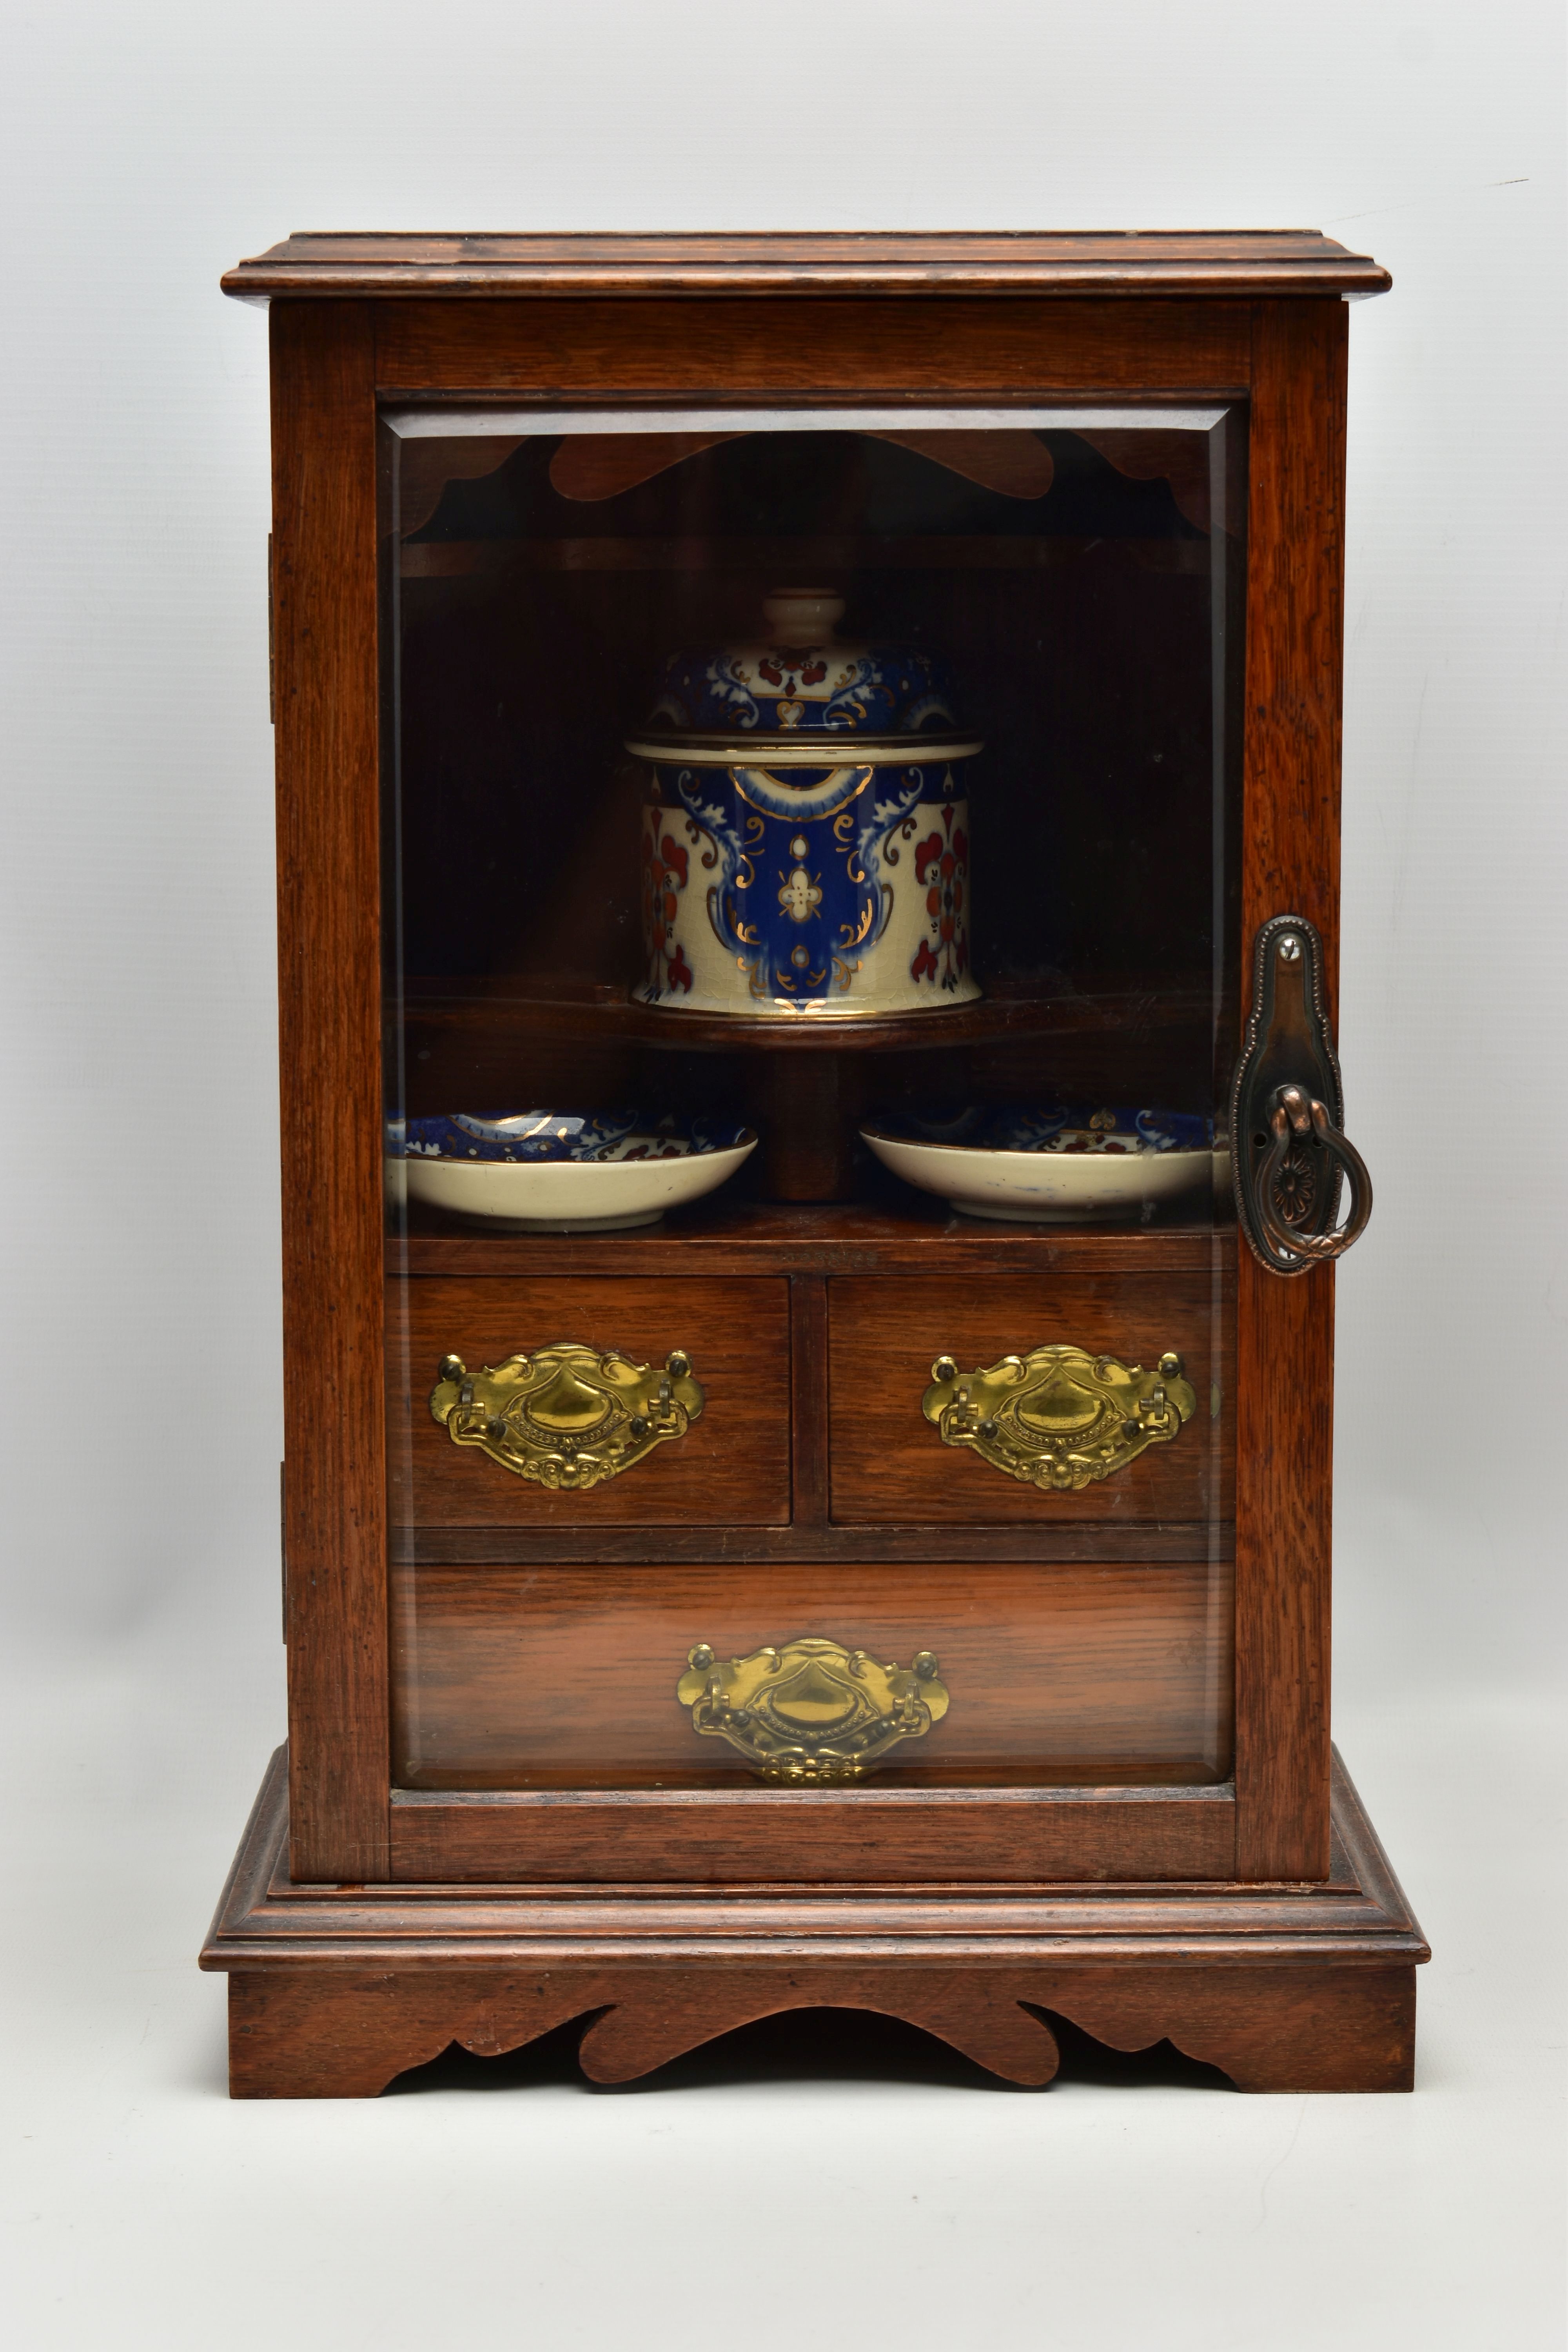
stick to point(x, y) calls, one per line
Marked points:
point(805, 846)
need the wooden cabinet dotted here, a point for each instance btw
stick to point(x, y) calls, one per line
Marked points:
point(940, 1596)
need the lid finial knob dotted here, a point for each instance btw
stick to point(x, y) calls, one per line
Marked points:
point(803, 617)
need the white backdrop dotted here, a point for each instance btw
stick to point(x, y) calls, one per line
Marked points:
point(144, 148)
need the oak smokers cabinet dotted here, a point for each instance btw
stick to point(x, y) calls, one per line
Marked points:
point(820, 1596)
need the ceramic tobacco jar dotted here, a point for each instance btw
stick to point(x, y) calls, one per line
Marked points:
point(805, 828)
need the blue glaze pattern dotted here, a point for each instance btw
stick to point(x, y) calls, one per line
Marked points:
point(775, 886)
point(1100, 1129)
point(802, 865)
point(797, 689)
point(553, 1135)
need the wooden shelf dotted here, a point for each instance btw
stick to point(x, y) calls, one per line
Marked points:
point(1064, 1544)
point(722, 1237)
point(448, 559)
point(609, 1016)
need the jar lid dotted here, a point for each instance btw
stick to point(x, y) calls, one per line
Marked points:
point(799, 680)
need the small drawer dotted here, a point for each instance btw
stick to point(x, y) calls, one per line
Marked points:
point(580, 1676)
point(891, 1465)
point(730, 1465)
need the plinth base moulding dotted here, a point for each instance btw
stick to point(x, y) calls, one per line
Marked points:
point(335, 1990)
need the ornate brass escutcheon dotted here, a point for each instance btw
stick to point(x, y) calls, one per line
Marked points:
point(567, 1416)
point(1289, 1149)
point(811, 1712)
point(1059, 1417)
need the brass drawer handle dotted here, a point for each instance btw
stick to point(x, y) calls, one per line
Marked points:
point(1059, 1417)
point(811, 1711)
point(1288, 1148)
point(567, 1416)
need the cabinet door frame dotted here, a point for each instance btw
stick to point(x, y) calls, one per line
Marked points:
point(332, 359)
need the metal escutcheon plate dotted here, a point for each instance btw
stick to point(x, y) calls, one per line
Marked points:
point(567, 1416)
point(811, 1712)
point(1059, 1417)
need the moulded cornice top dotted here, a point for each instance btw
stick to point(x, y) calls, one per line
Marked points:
point(1245, 263)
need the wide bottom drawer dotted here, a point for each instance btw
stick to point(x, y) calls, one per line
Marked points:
point(568, 1677)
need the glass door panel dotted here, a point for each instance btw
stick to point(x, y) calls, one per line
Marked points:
point(657, 1391)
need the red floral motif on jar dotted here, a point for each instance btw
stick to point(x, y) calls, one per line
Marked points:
point(942, 862)
point(790, 662)
point(665, 868)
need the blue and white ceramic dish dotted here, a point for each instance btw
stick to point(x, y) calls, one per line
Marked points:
point(1060, 1164)
point(563, 1172)
point(806, 830)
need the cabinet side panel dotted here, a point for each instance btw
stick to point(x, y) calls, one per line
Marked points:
point(324, 612)
point(1295, 631)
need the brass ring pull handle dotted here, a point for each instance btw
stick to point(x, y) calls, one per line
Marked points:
point(1290, 1153)
point(1059, 1417)
point(567, 1416)
point(1294, 1123)
point(811, 1712)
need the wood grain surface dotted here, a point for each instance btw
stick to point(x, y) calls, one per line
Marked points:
point(875, 1543)
point(890, 1462)
point(899, 1232)
point(334, 1990)
point(517, 1007)
point(1281, 2030)
point(733, 1466)
point(264, 1915)
point(733, 349)
point(566, 1676)
point(329, 975)
point(1073, 262)
point(776, 555)
point(916, 340)
point(880, 1835)
point(1295, 631)
point(808, 1392)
